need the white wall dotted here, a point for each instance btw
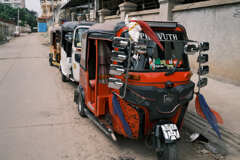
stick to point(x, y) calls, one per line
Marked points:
point(220, 25)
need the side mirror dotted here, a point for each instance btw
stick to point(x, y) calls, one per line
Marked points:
point(118, 56)
point(203, 58)
point(116, 70)
point(203, 70)
point(204, 46)
point(202, 82)
point(115, 83)
point(191, 48)
point(119, 42)
point(77, 57)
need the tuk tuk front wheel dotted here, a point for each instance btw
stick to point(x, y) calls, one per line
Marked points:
point(169, 152)
point(64, 78)
point(50, 59)
point(81, 106)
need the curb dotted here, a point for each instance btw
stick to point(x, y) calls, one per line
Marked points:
point(230, 142)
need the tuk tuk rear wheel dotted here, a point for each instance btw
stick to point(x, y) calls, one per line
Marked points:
point(169, 152)
point(81, 106)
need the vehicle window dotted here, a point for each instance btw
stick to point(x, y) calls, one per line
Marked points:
point(83, 63)
point(78, 37)
point(157, 60)
point(67, 43)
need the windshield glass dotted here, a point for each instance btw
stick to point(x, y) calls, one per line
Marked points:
point(78, 37)
point(147, 55)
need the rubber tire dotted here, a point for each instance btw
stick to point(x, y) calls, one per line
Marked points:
point(64, 78)
point(169, 153)
point(50, 61)
point(81, 106)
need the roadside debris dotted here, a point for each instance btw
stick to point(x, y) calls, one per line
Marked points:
point(197, 136)
point(208, 148)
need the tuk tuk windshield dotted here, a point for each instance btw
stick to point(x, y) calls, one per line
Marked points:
point(154, 59)
point(78, 37)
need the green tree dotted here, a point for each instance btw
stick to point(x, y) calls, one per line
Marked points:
point(9, 13)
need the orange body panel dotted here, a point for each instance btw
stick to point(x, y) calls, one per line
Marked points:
point(99, 99)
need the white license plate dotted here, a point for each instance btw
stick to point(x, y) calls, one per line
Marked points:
point(170, 132)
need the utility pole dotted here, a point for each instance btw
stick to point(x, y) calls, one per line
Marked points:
point(17, 28)
point(18, 18)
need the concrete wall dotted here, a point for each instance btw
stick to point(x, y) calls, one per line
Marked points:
point(6, 30)
point(147, 15)
point(220, 25)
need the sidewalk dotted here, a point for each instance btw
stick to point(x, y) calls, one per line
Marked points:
point(225, 99)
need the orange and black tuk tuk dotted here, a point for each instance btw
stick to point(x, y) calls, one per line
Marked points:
point(136, 89)
point(55, 48)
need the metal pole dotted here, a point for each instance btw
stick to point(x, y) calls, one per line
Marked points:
point(18, 18)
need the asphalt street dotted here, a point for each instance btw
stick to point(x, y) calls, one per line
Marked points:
point(39, 121)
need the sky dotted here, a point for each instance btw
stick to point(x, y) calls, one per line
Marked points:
point(34, 5)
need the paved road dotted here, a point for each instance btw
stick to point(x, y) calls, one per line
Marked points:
point(39, 121)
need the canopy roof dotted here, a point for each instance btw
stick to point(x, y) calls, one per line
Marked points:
point(109, 29)
point(70, 26)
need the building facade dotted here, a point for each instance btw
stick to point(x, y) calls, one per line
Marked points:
point(14, 3)
point(48, 7)
point(50, 11)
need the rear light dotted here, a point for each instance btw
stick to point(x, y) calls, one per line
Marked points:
point(179, 29)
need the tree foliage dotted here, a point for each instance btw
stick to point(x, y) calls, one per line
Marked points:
point(26, 16)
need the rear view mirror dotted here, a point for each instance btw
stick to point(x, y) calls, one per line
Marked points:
point(204, 46)
point(77, 57)
point(191, 48)
point(203, 70)
point(119, 42)
point(202, 82)
point(118, 56)
point(116, 69)
point(202, 58)
point(115, 83)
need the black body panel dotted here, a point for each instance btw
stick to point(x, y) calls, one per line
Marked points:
point(161, 102)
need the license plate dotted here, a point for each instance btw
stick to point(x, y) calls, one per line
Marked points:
point(170, 132)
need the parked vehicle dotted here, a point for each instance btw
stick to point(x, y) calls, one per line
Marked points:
point(138, 89)
point(16, 34)
point(55, 47)
point(71, 47)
